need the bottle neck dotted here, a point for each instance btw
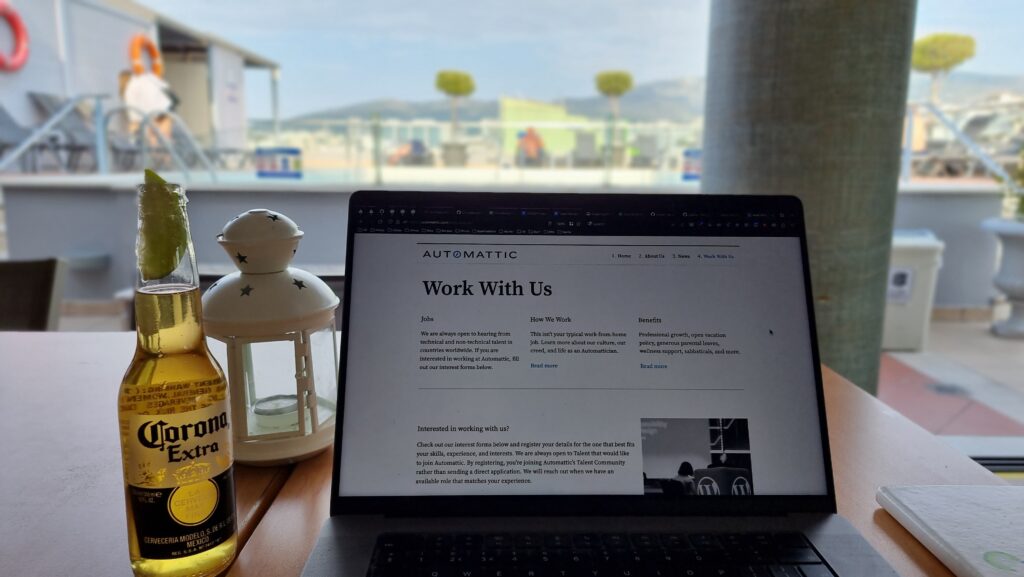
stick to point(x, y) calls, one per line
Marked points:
point(168, 309)
point(164, 243)
point(169, 320)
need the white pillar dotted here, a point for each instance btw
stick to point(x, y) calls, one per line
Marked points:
point(275, 77)
point(807, 97)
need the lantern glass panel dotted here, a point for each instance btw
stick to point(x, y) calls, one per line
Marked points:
point(270, 387)
point(324, 350)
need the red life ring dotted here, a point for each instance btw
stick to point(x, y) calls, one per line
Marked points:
point(142, 42)
point(16, 60)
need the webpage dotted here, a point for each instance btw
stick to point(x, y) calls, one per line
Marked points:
point(608, 365)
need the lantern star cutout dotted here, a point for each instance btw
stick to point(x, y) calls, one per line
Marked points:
point(299, 284)
point(273, 217)
point(246, 290)
point(241, 258)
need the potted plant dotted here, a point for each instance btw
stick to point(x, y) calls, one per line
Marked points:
point(1010, 277)
point(456, 85)
point(613, 84)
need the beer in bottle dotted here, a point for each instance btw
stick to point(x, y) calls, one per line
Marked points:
point(173, 408)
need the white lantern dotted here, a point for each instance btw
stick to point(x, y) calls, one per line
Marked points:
point(278, 324)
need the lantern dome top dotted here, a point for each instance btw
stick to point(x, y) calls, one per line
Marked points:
point(266, 297)
point(260, 241)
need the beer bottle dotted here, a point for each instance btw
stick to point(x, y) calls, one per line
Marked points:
point(173, 408)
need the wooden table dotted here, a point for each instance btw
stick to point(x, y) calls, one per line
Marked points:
point(872, 445)
point(61, 489)
point(61, 497)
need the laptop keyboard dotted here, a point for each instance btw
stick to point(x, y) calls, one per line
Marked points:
point(595, 555)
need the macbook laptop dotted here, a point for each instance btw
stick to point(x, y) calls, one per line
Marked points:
point(581, 385)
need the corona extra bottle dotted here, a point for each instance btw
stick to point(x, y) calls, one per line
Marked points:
point(173, 408)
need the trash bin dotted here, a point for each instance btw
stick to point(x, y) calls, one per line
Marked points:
point(913, 271)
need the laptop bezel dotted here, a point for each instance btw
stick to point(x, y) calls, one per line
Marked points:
point(645, 505)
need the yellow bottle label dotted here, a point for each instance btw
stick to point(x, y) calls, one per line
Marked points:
point(165, 451)
point(180, 481)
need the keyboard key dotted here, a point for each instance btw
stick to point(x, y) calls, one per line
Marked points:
point(616, 540)
point(675, 542)
point(705, 541)
point(785, 571)
point(586, 540)
point(790, 540)
point(527, 540)
point(815, 571)
point(797, 556)
point(645, 540)
point(557, 541)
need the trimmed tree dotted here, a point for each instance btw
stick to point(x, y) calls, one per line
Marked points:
point(456, 84)
point(937, 54)
point(613, 84)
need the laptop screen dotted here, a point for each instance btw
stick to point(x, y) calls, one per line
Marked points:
point(576, 344)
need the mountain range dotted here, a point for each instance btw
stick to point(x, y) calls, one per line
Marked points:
point(679, 100)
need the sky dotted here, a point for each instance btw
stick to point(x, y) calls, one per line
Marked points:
point(338, 52)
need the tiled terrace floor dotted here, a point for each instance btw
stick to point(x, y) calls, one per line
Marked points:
point(967, 386)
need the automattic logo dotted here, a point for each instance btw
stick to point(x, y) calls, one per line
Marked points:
point(470, 254)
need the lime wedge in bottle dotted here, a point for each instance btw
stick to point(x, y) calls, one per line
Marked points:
point(162, 238)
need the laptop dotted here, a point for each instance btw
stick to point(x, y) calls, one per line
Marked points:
point(581, 384)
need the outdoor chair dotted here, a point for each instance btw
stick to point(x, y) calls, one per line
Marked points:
point(229, 158)
point(645, 153)
point(585, 154)
point(181, 141)
point(13, 134)
point(80, 135)
point(418, 155)
point(30, 294)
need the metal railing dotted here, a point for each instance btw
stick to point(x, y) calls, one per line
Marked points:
point(147, 126)
point(972, 147)
point(374, 144)
point(100, 129)
point(47, 128)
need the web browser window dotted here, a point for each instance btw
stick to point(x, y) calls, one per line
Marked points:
point(548, 352)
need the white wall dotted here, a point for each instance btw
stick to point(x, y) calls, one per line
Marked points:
point(228, 97)
point(43, 71)
point(75, 46)
point(98, 41)
point(80, 46)
point(190, 81)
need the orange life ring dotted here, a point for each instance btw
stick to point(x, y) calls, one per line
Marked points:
point(20, 34)
point(140, 41)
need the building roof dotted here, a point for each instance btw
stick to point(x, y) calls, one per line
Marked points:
point(176, 36)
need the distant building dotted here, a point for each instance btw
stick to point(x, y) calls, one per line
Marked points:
point(517, 114)
point(81, 46)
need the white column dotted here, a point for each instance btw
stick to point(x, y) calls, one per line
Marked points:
point(807, 97)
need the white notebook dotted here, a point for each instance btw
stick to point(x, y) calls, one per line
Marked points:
point(976, 531)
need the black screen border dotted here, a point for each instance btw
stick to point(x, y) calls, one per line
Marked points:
point(587, 505)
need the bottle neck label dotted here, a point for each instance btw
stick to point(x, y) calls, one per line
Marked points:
point(165, 451)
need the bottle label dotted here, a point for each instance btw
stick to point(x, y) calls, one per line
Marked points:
point(185, 520)
point(180, 481)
